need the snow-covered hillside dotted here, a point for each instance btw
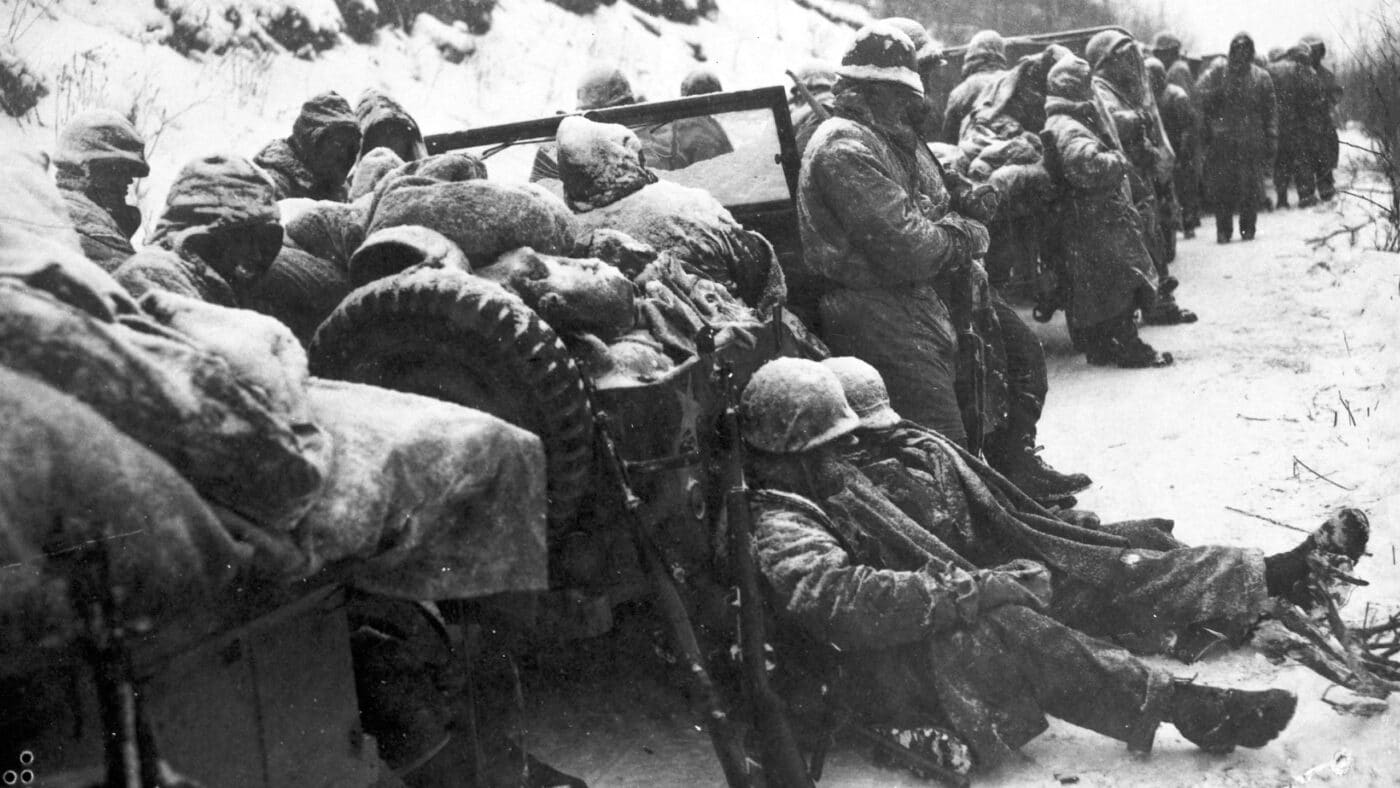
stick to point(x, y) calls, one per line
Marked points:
point(105, 53)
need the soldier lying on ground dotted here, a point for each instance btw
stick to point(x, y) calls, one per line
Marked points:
point(1131, 580)
point(929, 639)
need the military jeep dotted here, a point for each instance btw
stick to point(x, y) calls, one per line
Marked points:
point(464, 340)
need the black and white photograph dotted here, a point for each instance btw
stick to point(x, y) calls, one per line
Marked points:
point(716, 393)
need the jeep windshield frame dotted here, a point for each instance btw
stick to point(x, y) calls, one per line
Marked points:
point(540, 130)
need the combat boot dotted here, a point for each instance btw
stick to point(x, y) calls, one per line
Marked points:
point(1217, 720)
point(1167, 312)
point(1116, 343)
point(1024, 467)
point(1321, 563)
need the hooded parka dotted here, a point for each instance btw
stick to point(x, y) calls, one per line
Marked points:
point(381, 118)
point(1299, 92)
point(292, 162)
point(1110, 269)
point(98, 155)
point(209, 194)
point(1326, 147)
point(1124, 94)
point(983, 63)
point(1182, 124)
point(1239, 116)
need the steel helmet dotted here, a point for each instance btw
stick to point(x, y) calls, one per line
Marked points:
point(102, 137)
point(865, 391)
point(882, 52)
point(924, 47)
point(792, 405)
point(1104, 44)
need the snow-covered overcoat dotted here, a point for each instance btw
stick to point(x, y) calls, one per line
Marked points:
point(1239, 117)
point(1110, 269)
point(876, 227)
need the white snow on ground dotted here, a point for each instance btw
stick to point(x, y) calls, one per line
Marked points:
point(1295, 357)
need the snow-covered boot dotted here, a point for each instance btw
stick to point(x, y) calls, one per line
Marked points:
point(1333, 548)
point(1217, 720)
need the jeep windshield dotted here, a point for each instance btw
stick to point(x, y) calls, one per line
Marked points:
point(744, 156)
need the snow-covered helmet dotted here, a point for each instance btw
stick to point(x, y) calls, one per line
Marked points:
point(924, 48)
point(793, 405)
point(1105, 44)
point(105, 138)
point(881, 52)
point(1166, 42)
point(865, 391)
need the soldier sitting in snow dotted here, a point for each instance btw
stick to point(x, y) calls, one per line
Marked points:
point(1131, 580)
point(925, 637)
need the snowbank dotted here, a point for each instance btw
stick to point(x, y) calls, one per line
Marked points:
point(108, 53)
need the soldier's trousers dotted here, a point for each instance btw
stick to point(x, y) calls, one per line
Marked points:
point(1294, 167)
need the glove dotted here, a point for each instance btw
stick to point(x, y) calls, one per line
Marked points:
point(1021, 582)
point(981, 202)
point(972, 234)
point(1080, 517)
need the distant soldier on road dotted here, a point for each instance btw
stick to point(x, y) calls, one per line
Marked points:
point(1298, 91)
point(1328, 147)
point(1239, 118)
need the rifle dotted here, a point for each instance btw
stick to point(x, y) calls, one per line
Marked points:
point(783, 765)
point(821, 113)
point(131, 757)
point(723, 733)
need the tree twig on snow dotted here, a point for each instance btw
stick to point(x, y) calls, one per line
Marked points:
point(1268, 520)
point(1385, 208)
point(1297, 462)
point(1343, 400)
point(1350, 230)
